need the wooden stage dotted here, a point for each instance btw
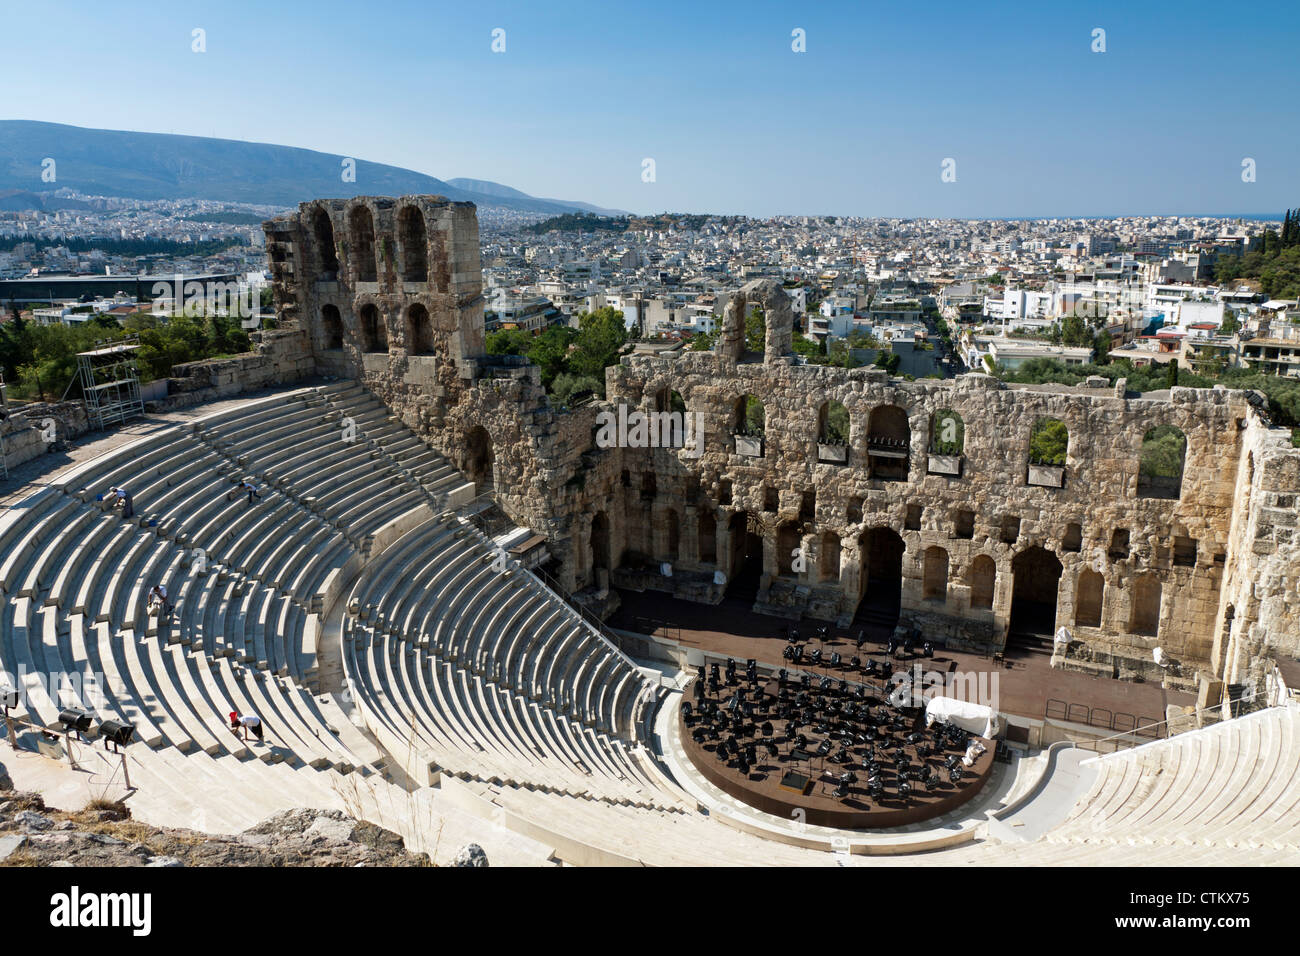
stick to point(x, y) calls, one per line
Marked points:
point(762, 787)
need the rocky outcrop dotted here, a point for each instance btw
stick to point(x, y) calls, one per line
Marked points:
point(32, 834)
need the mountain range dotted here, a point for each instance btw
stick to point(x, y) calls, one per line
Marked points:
point(167, 166)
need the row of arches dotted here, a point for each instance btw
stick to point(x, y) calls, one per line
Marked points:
point(412, 244)
point(889, 440)
point(371, 332)
point(1036, 573)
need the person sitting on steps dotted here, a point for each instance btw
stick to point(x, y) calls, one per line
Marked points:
point(116, 495)
point(158, 601)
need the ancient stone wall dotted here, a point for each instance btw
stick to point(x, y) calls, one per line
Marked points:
point(1259, 613)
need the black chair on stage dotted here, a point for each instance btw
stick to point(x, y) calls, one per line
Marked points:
point(767, 728)
point(870, 667)
point(815, 655)
point(905, 790)
point(771, 748)
point(836, 659)
point(743, 766)
point(955, 774)
point(927, 649)
point(687, 713)
point(860, 639)
point(823, 748)
point(699, 690)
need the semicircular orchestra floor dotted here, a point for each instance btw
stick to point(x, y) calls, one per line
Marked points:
point(826, 752)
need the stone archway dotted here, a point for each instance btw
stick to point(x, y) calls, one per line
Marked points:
point(479, 459)
point(600, 549)
point(746, 556)
point(1036, 579)
point(881, 578)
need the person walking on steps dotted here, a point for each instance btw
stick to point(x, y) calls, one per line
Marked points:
point(251, 488)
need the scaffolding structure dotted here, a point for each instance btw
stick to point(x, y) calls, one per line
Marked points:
point(110, 382)
point(4, 422)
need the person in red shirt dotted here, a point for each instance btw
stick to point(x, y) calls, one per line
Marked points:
point(242, 724)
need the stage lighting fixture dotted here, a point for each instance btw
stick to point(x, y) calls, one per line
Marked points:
point(74, 721)
point(116, 733)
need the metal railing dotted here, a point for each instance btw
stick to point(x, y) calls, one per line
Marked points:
point(1126, 740)
point(1100, 717)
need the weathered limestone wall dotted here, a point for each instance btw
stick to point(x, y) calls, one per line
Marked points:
point(1099, 492)
point(279, 357)
point(25, 432)
point(389, 291)
point(1259, 617)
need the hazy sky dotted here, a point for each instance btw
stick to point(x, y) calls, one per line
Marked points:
point(735, 121)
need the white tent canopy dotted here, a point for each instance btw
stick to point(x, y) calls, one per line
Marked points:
point(976, 718)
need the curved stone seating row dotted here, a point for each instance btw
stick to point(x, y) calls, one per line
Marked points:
point(491, 677)
point(347, 477)
point(1236, 784)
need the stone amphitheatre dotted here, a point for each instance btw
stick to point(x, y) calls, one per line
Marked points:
point(463, 618)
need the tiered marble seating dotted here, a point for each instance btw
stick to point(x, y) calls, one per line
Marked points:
point(75, 575)
point(493, 677)
point(1232, 784)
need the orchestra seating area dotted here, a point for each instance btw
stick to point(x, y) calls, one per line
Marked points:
point(475, 696)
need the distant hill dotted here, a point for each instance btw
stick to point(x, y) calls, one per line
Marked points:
point(18, 200)
point(166, 166)
point(485, 187)
point(588, 222)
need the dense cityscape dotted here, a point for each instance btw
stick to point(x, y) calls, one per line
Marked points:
point(1209, 296)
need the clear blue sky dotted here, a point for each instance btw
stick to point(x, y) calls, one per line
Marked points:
point(736, 122)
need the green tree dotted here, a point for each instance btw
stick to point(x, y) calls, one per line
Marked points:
point(1075, 331)
point(1048, 442)
point(755, 330)
point(1162, 452)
